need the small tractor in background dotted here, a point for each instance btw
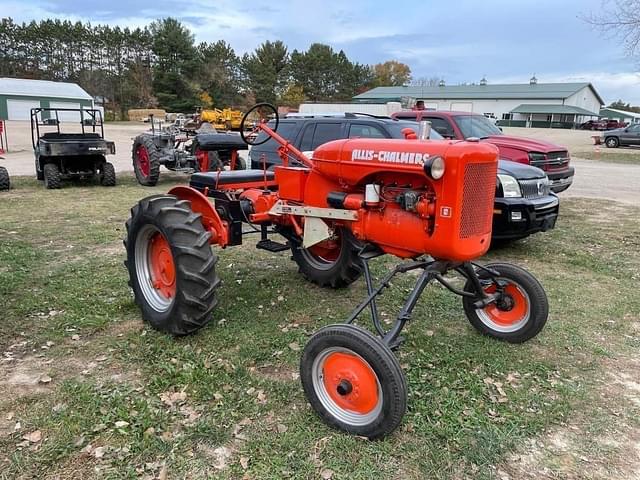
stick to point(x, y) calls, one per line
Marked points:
point(184, 150)
point(225, 119)
point(427, 202)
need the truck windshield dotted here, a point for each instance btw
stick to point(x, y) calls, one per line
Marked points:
point(396, 128)
point(476, 126)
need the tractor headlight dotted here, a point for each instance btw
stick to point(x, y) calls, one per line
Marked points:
point(510, 186)
point(434, 167)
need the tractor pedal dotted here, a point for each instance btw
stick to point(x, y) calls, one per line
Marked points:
point(397, 343)
point(271, 246)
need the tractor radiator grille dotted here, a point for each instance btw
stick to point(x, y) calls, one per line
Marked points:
point(477, 199)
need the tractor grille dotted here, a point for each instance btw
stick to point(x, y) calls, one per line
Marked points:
point(477, 199)
point(535, 188)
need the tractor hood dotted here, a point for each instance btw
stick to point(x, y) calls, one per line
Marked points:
point(524, 144)
point(519, 171)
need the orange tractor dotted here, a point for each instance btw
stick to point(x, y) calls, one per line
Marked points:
point(429, 203)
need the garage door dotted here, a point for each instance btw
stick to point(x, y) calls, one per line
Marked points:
point(462, 106)
point(21, 109)
point(66, 116)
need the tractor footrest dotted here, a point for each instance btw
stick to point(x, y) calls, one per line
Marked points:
point(271, 246)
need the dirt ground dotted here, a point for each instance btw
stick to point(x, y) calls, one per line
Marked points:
point(593, 179)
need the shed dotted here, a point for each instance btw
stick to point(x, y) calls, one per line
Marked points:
point(18, 96)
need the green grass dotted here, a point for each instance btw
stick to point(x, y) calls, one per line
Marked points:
point(619, 155)
point(61, 275)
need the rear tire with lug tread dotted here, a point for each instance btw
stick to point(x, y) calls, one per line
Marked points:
point(335, 265)
point(146, 160)
point(5, 182)
point(107, 175)
point(353, 381)
point(520, 315)
point(52, 177)
point(171, 265)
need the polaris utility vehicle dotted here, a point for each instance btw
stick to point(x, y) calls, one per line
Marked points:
point(426, 202)
point(62, 155)
point(524, 204)
point(184, 150)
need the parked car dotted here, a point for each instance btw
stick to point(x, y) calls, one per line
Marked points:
point(553, 159)
point(621, 137)
point(602, 124)
point(524, 203)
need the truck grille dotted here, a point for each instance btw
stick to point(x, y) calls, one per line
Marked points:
point(535, 188)
point(553, 160)
point(477, 199)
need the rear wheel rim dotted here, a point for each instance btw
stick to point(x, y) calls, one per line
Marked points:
point(509, 313)
point(347, 386)
point(325, 254)
point(155, 268)
point(142, 159)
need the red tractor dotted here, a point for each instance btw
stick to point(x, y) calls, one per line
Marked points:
point(429, 203)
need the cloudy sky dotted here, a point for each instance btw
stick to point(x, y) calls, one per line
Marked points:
point(459, 40)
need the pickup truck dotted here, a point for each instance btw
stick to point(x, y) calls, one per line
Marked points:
point(550, 158)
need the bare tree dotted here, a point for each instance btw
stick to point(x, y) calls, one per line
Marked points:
point(426, 82)
point(620, 19)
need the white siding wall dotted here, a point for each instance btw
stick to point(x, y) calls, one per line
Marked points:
point(584, 99)
point(497, 107)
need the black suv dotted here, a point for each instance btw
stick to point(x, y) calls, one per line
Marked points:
point(524, 203)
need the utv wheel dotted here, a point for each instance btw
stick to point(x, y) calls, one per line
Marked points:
point(521, 312)
point(332, 263)
point(5, 182)
point(353, 381)
point(52, 177)
point(612, 142)
point(146, 161)
point(107, 175)
point(171, 265)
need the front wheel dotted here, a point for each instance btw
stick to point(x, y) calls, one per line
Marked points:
point(146, 160)
point(107, 175)
point(612, 142)
point(5, 182)
point(171, 265)
point(353, 381)
point(519, 313)
point(52, 176)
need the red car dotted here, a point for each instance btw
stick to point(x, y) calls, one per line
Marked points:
point(553, 159)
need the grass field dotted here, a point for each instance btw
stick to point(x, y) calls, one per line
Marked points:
point(88, 391)
point(617, 155)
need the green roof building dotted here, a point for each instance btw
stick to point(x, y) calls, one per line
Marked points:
point(532, 104)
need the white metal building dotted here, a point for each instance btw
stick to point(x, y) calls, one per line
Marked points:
point(530, 104)
point(18, 96)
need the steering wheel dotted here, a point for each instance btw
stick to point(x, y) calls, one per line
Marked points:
point(263, 112)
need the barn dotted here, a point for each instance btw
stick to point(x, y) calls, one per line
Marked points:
point(18, 96)
point(530, 104)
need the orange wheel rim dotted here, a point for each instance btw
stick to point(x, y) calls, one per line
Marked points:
point(163, 270)
point(513, 309)
point(327, 250)
point(350, 382)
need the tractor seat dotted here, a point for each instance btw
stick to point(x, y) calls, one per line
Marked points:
point(227, 177)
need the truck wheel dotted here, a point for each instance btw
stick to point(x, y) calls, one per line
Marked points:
point(5, 182)
point(353, 381)
point(521, 312)
point(107, 175)
point(146, 161)
point(332, 263)
point(611, 142)
point(52, 177)
point(171, 265)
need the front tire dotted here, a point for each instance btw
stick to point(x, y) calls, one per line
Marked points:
point(52, 177)
point(612, 142)
point(521, 312)
point(171, 265)
point(332, 263)
point(5, 182)
point(146, 160)
point(353, 381)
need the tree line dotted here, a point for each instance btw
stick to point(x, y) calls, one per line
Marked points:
point(161, 65)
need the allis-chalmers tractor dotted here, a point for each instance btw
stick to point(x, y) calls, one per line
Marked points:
point(429, 203)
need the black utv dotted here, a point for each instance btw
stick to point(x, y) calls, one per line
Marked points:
point(63, 156)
